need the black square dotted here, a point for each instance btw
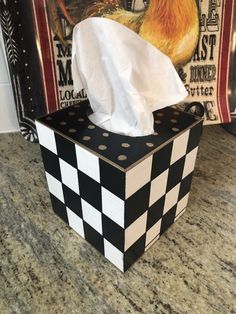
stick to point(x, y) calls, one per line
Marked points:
point(113, 233)
point(194, 137)
point(112, 179)
point(168, 219)
point(175, 173)
point(137, 204)
point(51, 163)
point(134, 252)
point(59, 208)
point(185, 186)
point(72, 200)
point(155, 212)
point(90, 190)
point(93, 237)
point(161, 160)
point(66, 150)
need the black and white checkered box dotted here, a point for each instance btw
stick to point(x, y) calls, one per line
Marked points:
point(117, 192)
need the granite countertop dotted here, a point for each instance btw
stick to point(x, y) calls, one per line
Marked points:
point(46, 267)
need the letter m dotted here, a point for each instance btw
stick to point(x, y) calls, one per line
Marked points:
point(65, 76)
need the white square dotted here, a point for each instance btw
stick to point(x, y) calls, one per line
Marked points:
point(114, 255)
point(171, 198)
point(88, 163)
point(190, 162)
point(46, 137)
point(113, 207)
point(151, 243)
point(180, 214)
point(182, 204)
point(153, 232)
point(92, 216)
point(179, 147)
point(138, 176)
point(69, 176)
point(55, 187)
point(75, 222)
point(158, 187)
point(135, 230)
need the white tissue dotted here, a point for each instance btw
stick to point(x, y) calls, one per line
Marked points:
point(125, 77)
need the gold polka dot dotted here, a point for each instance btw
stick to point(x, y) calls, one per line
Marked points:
point(176, 113)
point(173, 120)
point(157, 121)
point(49, 118)
point(105, 134)
point(122, 157)
point(175, 129)
point(160, 114)
point(149, 144)
point(102, 147)
point(86, 138)
point(72, 130)
point(71, 113)
point(126, 145)
point(91, 127)
point(80, 119)
point(63, 123)
point(77, 106)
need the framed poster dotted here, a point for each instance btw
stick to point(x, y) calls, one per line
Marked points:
point(38, 37)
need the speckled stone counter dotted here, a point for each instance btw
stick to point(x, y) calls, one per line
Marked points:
point(46, 268)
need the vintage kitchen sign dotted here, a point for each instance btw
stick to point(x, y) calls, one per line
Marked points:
point(38, 37)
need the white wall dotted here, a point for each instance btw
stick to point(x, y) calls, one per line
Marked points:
point(8, 118)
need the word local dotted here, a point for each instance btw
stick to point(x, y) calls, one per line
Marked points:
point(70, 94)
point(69, 97)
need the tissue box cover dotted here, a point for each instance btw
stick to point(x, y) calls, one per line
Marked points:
point(119, 193)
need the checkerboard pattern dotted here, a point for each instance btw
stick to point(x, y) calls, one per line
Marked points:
point(121, 213)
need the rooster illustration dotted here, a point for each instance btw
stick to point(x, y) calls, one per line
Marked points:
point(172, 26)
